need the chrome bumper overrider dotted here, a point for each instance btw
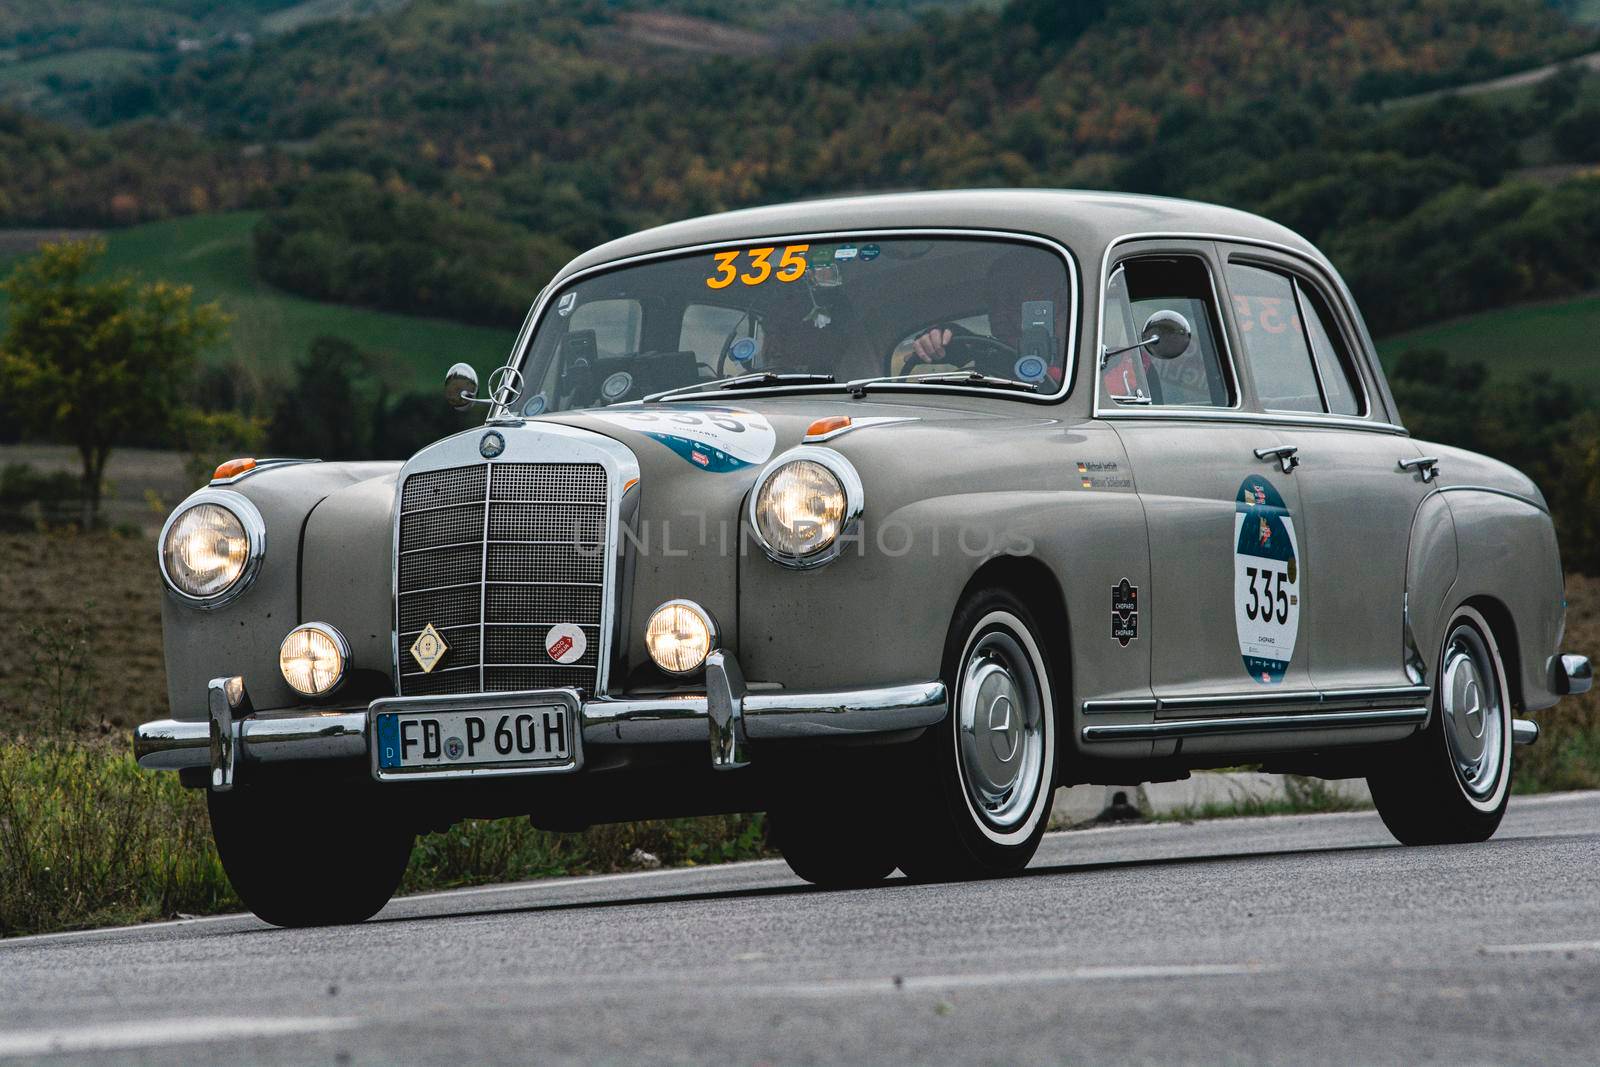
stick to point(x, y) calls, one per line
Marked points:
point(728, 714)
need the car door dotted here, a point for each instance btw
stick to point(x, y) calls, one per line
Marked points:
point(1299, 349)
point(1222, 508)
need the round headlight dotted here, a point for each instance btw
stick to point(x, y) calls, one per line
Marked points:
point(210, 547)
point(312, 659)
point(803, 503)
point(680, 635)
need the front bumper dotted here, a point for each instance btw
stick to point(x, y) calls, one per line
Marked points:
point(726, 715)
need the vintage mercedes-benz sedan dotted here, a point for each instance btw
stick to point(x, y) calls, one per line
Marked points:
point(884, 516)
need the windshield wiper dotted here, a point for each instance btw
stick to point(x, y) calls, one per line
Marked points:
point(959, 377)
point(742, 381)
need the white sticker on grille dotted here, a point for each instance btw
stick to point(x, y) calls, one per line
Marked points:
point(565, 643)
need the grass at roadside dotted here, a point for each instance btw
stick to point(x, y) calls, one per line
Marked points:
point(89, 839)
point(1302, 796)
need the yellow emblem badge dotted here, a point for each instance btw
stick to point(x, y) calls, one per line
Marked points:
point(428, 649)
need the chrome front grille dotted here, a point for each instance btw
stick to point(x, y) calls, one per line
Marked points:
point(493, 556)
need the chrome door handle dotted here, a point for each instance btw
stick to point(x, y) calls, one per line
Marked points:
point(1427, 466)
point(1284, 454)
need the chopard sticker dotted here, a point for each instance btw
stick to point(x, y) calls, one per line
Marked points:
point(1124, 613)
point(744, 349)
point(565, 643)
point(718, 440)
point(1266, 580)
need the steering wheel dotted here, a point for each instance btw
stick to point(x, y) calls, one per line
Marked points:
point(987, 355)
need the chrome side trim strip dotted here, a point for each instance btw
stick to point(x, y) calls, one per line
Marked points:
point(1389, 692)
point(1130, 704)
point(1233, 700)
point(1252, 724)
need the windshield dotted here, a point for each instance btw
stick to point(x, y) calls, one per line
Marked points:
point(813, 315)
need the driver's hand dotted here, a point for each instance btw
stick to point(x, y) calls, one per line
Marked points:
point(929, 348)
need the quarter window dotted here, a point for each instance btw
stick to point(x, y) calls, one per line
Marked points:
point(1139, 288)
point(1289, 344)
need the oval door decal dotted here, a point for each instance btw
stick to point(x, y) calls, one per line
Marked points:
point(1266, 580)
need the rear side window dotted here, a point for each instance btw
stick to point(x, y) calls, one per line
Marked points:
point(1338, 374)
point(1139, 288)
point(1290, 345)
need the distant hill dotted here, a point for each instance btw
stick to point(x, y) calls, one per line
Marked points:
point(1556, 336)
point(273, 329)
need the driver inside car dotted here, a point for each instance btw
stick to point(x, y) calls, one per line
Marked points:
point(1013, 287)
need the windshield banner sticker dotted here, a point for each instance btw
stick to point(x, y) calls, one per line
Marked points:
point(1266, 580)
point(719, 440)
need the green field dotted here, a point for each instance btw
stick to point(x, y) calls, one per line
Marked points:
point(1562, 337)
point(272, 329)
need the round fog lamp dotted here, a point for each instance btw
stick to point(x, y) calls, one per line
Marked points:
point(680, 635)
point(312, 659)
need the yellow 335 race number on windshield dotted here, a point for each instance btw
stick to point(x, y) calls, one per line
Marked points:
point(758, 266)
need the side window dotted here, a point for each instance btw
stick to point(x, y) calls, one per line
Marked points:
point(1296, 356)
point(1333, 360)
point(714, 334)
point(1267, 309)
point(616, 324)
point(1139, 288)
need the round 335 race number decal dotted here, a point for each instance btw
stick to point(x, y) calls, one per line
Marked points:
point(1266, 580)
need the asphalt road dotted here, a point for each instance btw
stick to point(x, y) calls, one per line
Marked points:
point(1252, 940)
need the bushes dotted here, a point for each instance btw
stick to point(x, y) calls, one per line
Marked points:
point(30, 497)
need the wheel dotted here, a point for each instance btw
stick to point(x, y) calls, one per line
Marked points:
point(979, 785)
point(831, 848)
point(1449, 784)
point(308, 856)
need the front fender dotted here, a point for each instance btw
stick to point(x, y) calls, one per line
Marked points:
point(242, 636)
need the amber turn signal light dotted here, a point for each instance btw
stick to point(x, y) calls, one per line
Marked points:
point(827, 425)
point(233, 467)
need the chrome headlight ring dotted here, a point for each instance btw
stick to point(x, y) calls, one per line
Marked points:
point(255, 530)
point(854, 504)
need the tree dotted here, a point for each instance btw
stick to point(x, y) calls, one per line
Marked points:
point(97, 362)
point(327, 413)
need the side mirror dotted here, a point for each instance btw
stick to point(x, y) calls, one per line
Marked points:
point(1166, 335)
point(461, 386)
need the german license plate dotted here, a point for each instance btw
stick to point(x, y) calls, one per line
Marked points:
point(434, 741)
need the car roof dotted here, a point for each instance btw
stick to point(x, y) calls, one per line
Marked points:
point(1084, 221)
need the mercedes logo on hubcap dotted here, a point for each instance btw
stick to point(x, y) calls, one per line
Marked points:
point(1002, 733)
point(1472, 708)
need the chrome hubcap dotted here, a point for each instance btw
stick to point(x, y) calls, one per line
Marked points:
point(1474, 719)
point(1001, 730)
